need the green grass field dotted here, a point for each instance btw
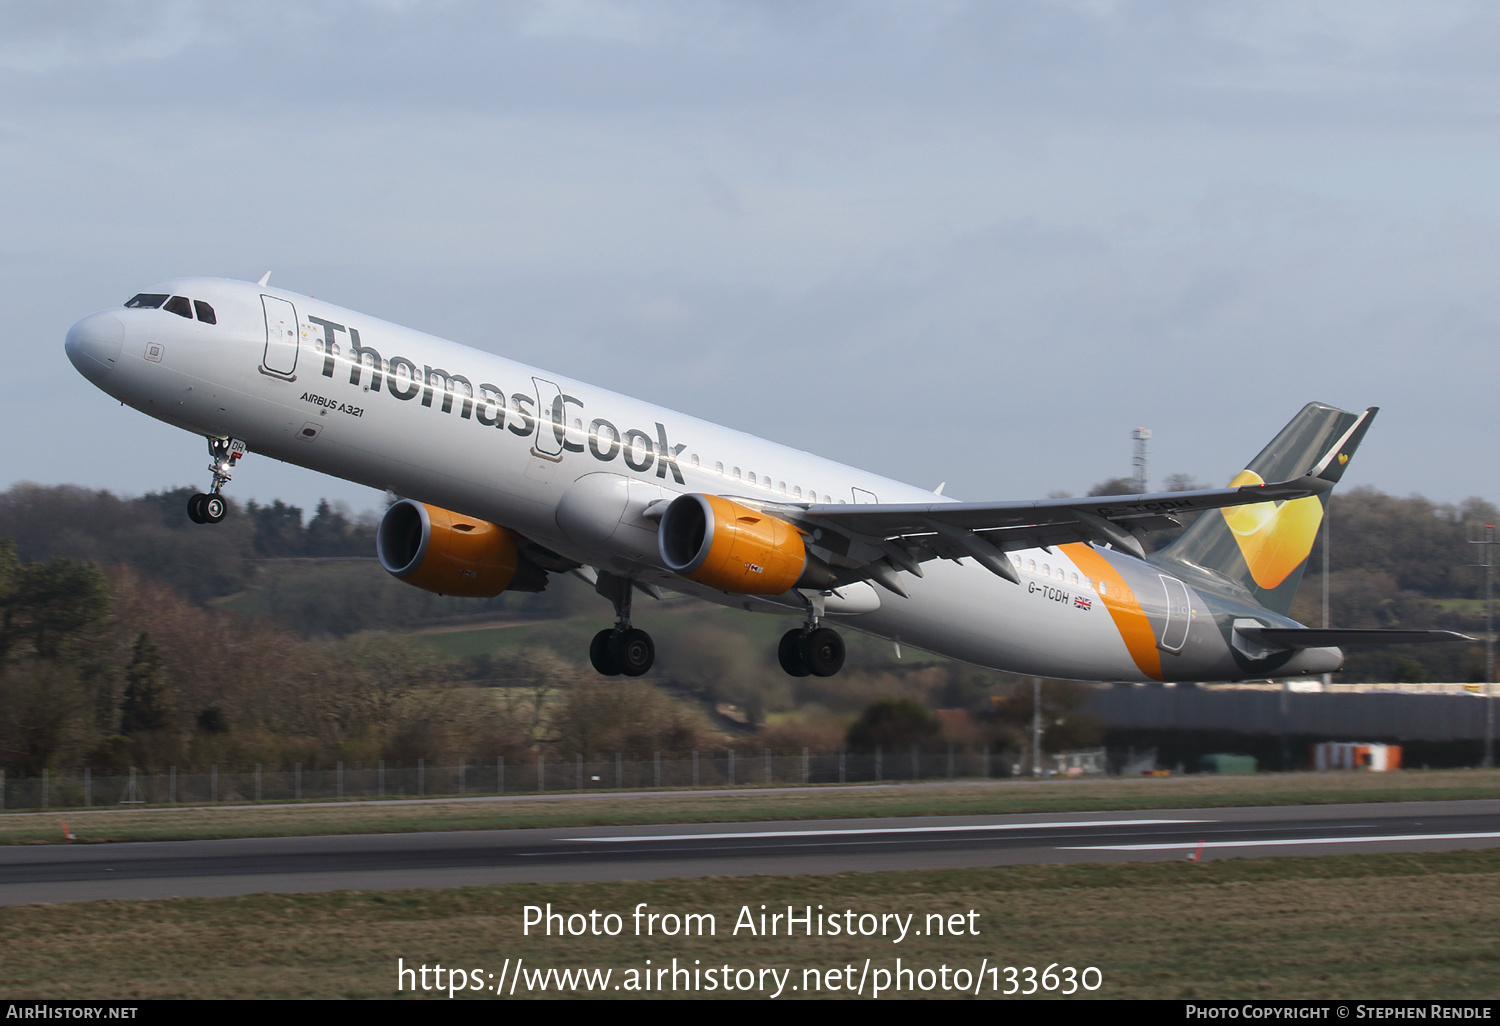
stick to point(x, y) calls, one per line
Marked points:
point(1468, 607)
point(824, 802)
point(675, 614)
point(1368, 926)
point(478, 641)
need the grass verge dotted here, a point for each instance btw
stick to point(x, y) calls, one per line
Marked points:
point(1353, 926)
point(971, 798)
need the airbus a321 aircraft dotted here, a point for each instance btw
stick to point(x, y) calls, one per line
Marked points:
point(510, 473)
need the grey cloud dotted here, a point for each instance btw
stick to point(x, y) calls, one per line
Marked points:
point(43, 39)
point(1156, 59)
point(967, 241)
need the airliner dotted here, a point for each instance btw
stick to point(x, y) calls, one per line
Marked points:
point(508, 474)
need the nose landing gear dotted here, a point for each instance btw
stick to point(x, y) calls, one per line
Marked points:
point(624, 649)
point(210, 508)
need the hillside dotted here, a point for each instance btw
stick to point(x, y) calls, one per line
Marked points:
point(132, 636)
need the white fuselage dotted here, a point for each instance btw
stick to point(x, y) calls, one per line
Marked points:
point(505, 441)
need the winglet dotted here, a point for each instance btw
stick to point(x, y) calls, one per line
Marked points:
point(1331, 467)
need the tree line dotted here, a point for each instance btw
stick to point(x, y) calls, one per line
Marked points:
point(109, 669)
point(1385, 551)
point(316, 576)
point(104, 667)
point(129, 636)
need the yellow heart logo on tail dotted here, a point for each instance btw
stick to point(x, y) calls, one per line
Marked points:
point(1274, 539)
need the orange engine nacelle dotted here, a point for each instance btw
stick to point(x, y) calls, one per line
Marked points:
point(441, 551)
point(734, 548)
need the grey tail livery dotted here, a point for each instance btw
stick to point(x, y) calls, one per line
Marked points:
point(1263, 547)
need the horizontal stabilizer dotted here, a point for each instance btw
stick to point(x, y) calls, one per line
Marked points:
point(1313, 637)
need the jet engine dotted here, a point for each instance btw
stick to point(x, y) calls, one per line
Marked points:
point(734, 548)
point(444, 552)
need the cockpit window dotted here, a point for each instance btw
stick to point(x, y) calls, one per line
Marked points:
point(179, 306)
point(205, 312)
point(147, 301)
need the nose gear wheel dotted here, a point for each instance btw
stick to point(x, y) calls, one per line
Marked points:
point(210, 507)
point(206, 509)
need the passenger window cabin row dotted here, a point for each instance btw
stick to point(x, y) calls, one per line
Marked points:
point(179, 305)
point(764, 481)
point(1058, 574)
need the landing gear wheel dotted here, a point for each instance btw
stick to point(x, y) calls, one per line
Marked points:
point(210, 508)
point(633, 651)
point(600, 656)
point(789, 653)
point(823, 652)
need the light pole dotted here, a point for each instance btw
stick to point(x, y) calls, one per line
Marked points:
point(1036, 726)
point(1487, 539)
point(1327, 518)
point(1141, 435)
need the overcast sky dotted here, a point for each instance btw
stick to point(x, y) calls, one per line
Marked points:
point(974, 243)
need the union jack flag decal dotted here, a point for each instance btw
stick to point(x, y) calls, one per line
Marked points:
point(1083, 603)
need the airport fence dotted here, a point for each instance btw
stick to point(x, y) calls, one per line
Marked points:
point(84, 788)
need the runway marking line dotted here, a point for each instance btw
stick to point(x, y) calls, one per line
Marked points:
point(1290, 840)
point(753, 834)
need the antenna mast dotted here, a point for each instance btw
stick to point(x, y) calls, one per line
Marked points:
point(1142, 473)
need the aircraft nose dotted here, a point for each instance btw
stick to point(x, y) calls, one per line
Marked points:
point(94, 343)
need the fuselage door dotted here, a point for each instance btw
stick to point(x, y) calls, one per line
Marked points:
point(1174, 629)
point(550, 420)
point(281, 338)
point(864, 498)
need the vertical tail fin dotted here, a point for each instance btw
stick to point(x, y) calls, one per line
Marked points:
point(1264, 546)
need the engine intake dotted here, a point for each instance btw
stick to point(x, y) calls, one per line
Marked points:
point(441, 551)
point(731, 547)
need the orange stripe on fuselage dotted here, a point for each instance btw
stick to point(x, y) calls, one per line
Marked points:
point(1124, 608)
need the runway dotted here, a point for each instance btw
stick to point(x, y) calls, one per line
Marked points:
point(220, 868)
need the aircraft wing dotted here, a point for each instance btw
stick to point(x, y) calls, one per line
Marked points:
point(877, 539)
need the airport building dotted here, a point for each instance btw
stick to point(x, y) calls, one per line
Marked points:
point(1281, 724)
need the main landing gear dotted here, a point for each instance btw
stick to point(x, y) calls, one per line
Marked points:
point(210, 508)
point(811, 649)
point(624, 649)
